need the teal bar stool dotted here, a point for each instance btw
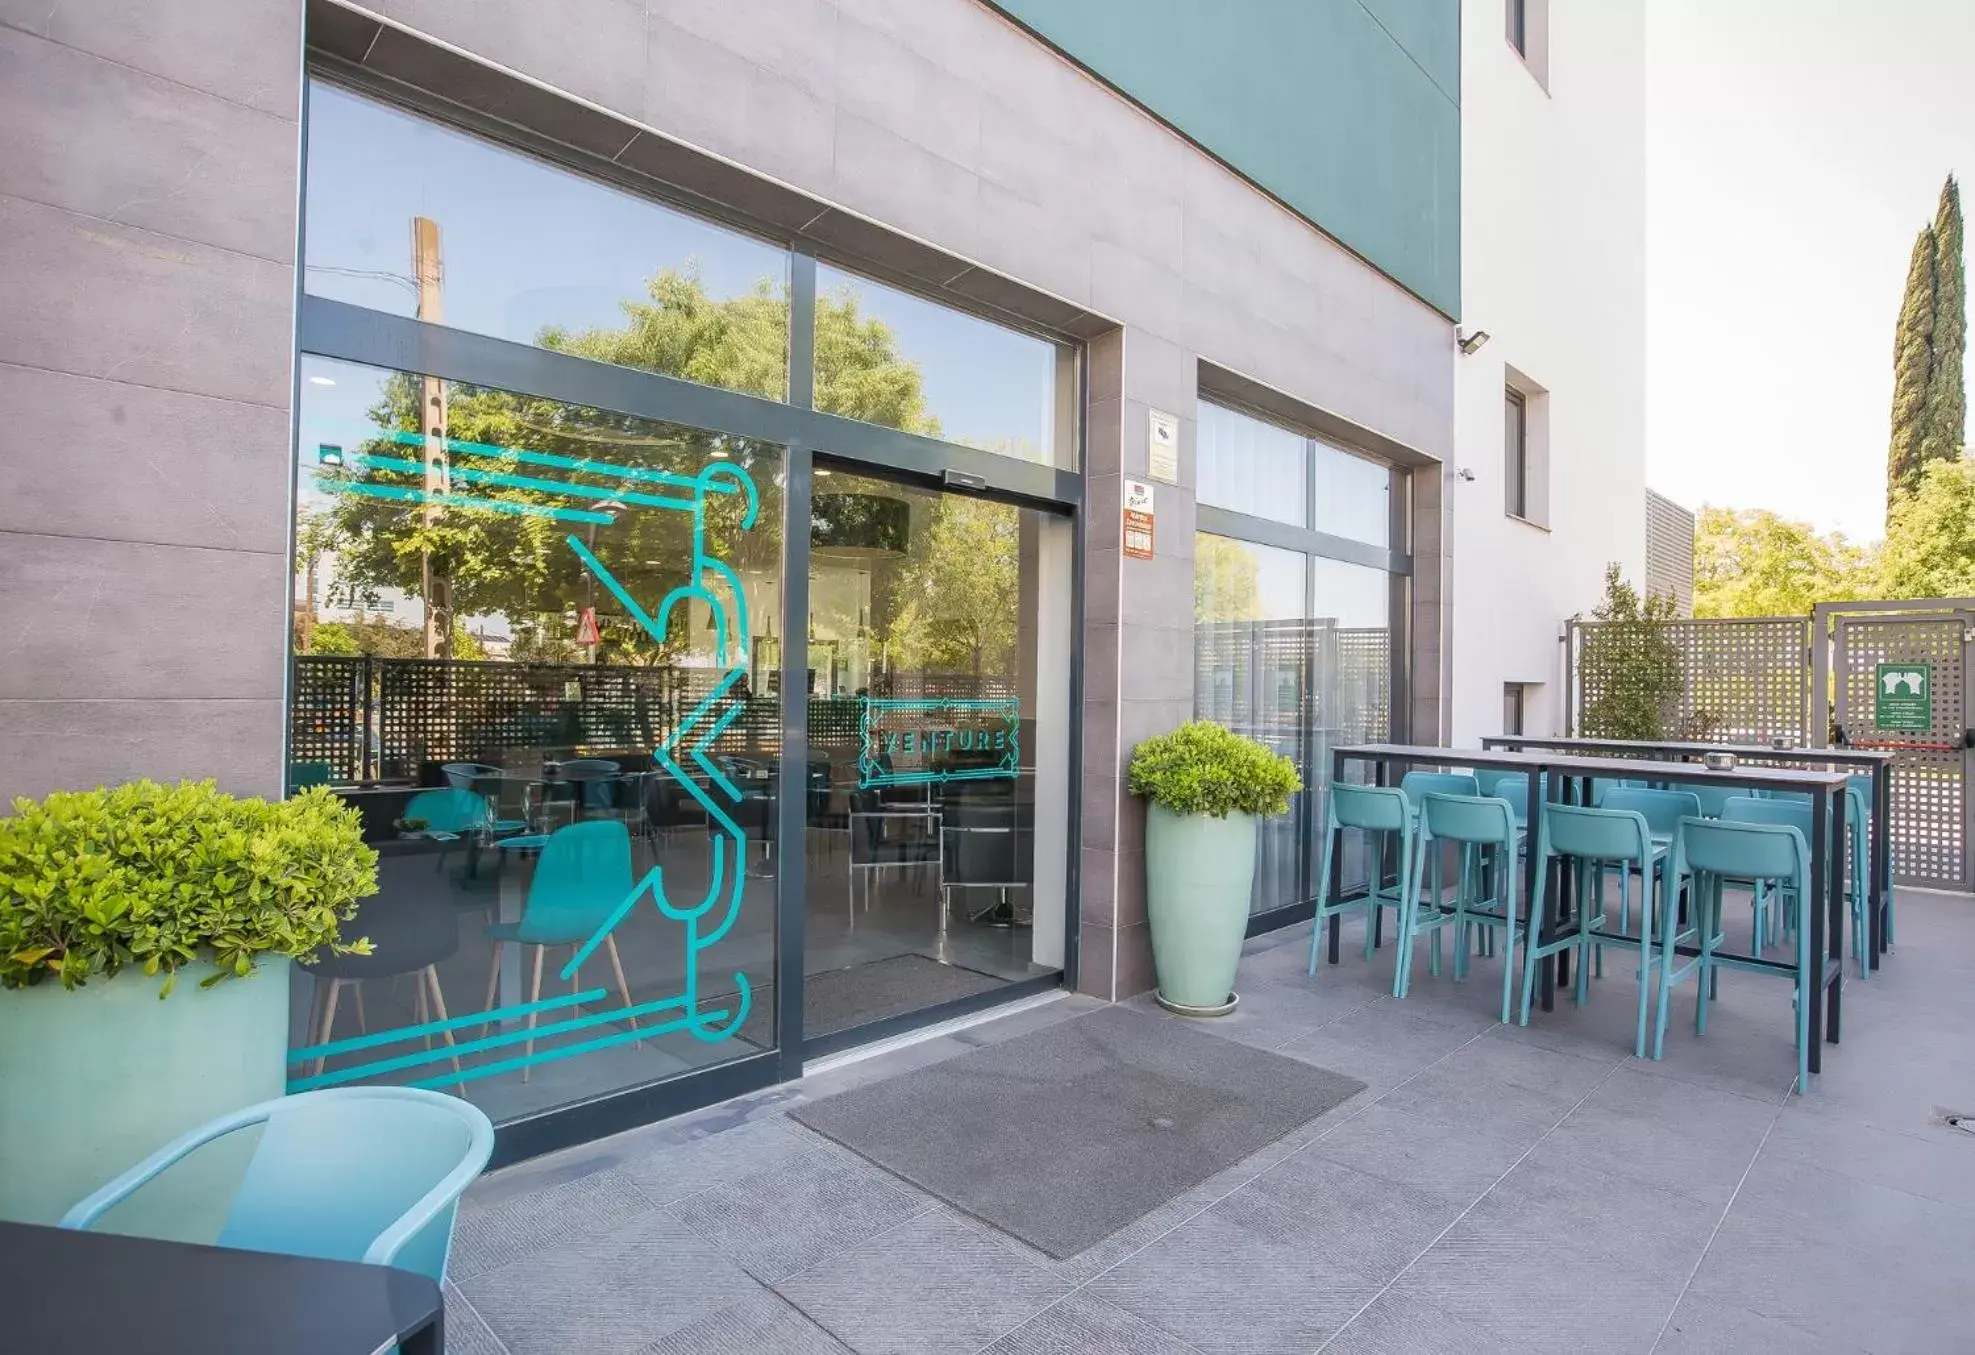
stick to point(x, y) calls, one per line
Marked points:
point(1858, 857)
point(1714, 852)
point(1663, 810)
point(1592, 842)
point(1858, 790)
point(1387, 820)
point(1483, 830)
point(1770, 914)
point(1513, 787)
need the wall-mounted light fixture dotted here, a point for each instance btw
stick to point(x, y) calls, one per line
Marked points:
point(1466, 475)
point(1470, 343)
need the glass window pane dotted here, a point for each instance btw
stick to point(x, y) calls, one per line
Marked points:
point(939, 651)
point(414, 218)
point(1515, 454)
point(1354, 496)
point(1251, 659)
point(887, 357)
point(1248, 466)
point(498, 630)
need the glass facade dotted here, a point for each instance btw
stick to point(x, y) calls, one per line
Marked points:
point(887, 357)
point(542, 645)
point(413, 218)
point(1293, 648)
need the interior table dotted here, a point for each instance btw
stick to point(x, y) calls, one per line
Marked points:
point(87, 1292)
point(1875, 762)
point(1567, 777)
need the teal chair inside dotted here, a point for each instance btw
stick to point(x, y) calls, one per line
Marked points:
point(302, 775)
point(371, 1174)
point(451, 810)
point(583, 874)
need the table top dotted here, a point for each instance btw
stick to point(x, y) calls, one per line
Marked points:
point(1857, 757)
point(1567, 764)
point(90, 1292)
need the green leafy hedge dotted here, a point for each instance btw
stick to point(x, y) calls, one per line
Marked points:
point(1201, 768)
point(157, 876)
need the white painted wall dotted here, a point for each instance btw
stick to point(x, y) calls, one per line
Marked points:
point(1553, 267)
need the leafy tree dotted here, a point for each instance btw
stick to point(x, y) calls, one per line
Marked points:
point(520, 565)
point(382, 639)
point(956, 600)
point(1226, 581)
point(1930, 542)
point(1947, 396)
point(1629, 665)
point(1929, 399)
point(1751, 562)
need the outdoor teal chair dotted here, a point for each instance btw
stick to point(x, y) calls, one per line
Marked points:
point(1483, 832)
point(1858, 856)
point(1592, 842)
point(583, 874)
point(1714, 799)
point(370, 1174)
point(1858, 793)
point(1715, 852)
point(1388, 823)
point(1770, 916)
point(1417, 784)
point(1663, 810)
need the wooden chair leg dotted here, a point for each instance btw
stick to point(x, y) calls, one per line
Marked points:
point(439, 1005)
point(493, 979)
point(328, 1020)
point(534, 996)
point(623, 988)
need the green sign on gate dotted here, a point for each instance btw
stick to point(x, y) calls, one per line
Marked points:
point(1903, 697)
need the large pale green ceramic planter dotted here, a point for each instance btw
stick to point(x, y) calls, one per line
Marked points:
point(1199, 871)
point(95, 1080)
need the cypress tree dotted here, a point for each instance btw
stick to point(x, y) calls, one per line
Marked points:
point(1913, 363)
point(1947, 398)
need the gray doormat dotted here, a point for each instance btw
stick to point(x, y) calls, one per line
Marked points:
point(1063, 1136)
point(837, 999)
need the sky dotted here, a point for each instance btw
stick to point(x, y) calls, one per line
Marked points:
point(1794, 148)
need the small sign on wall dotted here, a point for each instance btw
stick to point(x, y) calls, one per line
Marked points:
point(1138, 520)
point(1903, 697)
point(1162, 450)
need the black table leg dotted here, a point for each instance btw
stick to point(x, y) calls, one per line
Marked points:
point(1820, 851)
point(428, 1340)
point(1882, 858)
point(1337, 864)
point(1834, 926)
point(1536, 894)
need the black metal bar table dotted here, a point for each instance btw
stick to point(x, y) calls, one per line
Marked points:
point(79, 1293)
point(1547, 774)
point(1878, 763)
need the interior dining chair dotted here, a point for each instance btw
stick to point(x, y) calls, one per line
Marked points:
point(583, 874)
point(370, 1174)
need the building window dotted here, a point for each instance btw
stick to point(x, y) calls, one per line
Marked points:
point(941, 372)
point(1515, 707)
point(1515, 453)
point(1528, 33)
point(1519, 26)
point(1249, 465)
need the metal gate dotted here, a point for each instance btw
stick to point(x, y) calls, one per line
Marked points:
point(1900, 677)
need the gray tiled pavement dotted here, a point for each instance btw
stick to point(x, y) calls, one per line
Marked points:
point(1494, 1188)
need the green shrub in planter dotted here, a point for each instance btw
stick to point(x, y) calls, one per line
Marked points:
point(1206, 787)
point(107, 899)
point(159, 876)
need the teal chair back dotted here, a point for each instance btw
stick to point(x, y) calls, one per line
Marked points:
point(1714, 799)
point(1513, 787)
point(1417, 784)
point(1603, 834)
point(1662, 809)
point(1379, 809)
point(1745, 851)
point(1487, 780)
point(1478, 819)
point(1749, 809)
point(370, 1174)
point(583, 874)
point(595, 778)
point(451, 810)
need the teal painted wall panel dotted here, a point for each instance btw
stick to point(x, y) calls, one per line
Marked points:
point(1347, 110)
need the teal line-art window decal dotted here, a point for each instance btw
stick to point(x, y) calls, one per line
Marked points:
point(934, 740)
point(706, 921)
